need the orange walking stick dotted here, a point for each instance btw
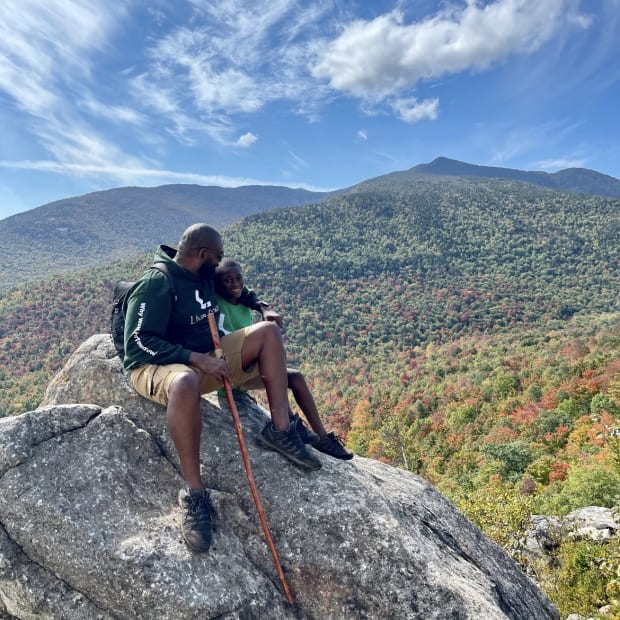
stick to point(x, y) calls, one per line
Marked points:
point(246, 461)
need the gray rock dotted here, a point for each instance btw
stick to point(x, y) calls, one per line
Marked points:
point(89, 525)
point(542, 537)
point(594, 522)
point(547, 532)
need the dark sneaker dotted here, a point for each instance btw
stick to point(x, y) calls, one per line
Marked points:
point(332, 445)
point(307, 436)
point(289, 444)
point(196, 521)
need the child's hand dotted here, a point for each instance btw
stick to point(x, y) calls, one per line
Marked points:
point(272, 315)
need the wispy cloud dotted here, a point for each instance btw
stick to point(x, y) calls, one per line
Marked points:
point(145, 176)
point(46, 53)
point(515, 143)
point(43, 47)
point(117, 114)
point(297, 162)
point(362, 135)
point(554, 165)
point(234, 57)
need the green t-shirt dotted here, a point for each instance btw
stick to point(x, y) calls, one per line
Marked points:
point(233, 317)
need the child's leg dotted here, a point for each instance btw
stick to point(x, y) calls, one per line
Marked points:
point(303, 397)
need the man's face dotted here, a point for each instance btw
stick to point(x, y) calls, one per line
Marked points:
point(213, 254)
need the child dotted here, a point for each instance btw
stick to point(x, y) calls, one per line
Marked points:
point(229, 285)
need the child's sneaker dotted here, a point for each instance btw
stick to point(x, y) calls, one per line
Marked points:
point(307, 436)
point(289, 444)
point(333, 446)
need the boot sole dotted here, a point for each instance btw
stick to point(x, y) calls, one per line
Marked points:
point(344, 457)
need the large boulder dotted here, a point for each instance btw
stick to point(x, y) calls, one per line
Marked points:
point(89, 525)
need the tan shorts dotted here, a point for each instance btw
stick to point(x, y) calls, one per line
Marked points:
point(153, 380)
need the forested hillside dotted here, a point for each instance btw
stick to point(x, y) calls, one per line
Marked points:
point(431, 261)
point(100, 227)
point(464, 329)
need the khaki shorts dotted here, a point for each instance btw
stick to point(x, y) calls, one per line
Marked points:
point(153, 380)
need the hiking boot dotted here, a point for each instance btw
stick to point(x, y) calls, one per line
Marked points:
point(289, 444)
point(333, 446)
point(307, 436)
point(197, 517)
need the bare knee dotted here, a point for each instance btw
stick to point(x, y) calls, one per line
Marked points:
point(185, 388)
point(263, 343)
point(269, 331)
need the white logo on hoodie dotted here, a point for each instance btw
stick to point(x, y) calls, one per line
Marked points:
point(203, 305)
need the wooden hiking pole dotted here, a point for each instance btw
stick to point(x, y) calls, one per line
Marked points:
point(246, 460)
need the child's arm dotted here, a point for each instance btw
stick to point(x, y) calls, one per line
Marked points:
point(250, 299)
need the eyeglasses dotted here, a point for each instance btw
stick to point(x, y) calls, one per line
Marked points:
point(219, 254)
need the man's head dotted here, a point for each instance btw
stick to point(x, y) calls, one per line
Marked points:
point(200, 249)
point(229, 281)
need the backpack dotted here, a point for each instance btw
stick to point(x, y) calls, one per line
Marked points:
point(117, 316)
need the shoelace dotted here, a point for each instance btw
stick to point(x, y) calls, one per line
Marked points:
point(336, 438)
point(199, 509)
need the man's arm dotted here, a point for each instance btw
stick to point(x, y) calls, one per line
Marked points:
point(146, 322)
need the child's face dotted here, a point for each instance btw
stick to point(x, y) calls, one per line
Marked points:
point(232, 283)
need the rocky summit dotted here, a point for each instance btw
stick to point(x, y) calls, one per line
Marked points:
point(89, 527)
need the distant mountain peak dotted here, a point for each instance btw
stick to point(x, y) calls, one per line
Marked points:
point(581, 180)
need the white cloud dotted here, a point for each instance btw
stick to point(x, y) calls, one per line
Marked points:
point(44, 47)
point(384, 57)
point(247, 140)
point(362, 135)
point(46, 67)
point(411, 110)
point(560, 164)
point(145, 176)
point(235, 57)
point(112, 113)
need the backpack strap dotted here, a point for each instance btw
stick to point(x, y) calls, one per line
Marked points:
point(161, 266)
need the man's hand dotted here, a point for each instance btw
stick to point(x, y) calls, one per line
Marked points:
point(210, 365)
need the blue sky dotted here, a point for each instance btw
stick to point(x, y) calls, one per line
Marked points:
point(97, 94)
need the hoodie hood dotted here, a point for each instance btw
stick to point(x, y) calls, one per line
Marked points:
point(166, 254)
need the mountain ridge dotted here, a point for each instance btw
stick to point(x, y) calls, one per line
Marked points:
point(581, 180)
point(101, 227)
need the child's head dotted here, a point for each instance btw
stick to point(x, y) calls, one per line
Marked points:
point(229, 281)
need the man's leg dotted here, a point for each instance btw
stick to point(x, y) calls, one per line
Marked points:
point(185, 425)
point(177, 387)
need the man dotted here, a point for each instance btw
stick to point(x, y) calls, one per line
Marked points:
point(169, 353)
